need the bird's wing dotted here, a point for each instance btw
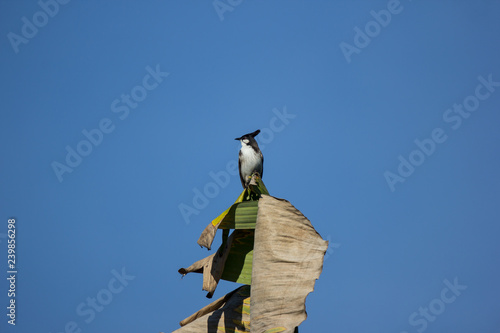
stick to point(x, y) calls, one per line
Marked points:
point(262, 172)
point(239, 168)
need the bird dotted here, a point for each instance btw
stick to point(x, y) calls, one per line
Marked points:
point(250, 158)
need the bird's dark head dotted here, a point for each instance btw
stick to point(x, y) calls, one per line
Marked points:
point(247, 138)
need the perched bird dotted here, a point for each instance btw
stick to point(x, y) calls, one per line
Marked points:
point(251, 159)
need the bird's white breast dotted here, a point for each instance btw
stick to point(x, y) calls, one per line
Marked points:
point(252, 161)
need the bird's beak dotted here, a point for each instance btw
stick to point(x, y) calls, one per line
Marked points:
point(238, 139)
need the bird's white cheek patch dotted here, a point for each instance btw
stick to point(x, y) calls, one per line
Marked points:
point(246, 141)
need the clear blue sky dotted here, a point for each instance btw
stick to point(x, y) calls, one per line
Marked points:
point(380, 122)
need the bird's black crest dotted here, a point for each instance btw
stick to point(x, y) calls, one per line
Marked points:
point(253, 135)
